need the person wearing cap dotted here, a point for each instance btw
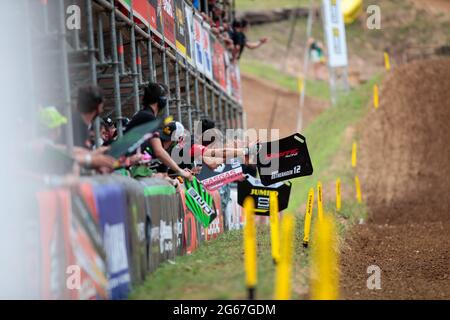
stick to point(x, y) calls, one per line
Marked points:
point(154, 103)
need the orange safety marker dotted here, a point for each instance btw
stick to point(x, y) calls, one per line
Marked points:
point(284, 267)
point(308, 217)
point(250, 257)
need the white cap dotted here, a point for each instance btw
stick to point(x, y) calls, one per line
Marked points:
point(178, 133)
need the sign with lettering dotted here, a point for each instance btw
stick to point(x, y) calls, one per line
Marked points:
point(253, 187)
point(200, 202)
point(284, 159)
point(223, 175)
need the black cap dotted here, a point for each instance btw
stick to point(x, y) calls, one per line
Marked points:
point(153, 93)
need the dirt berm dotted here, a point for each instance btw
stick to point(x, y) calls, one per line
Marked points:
point(404, 166)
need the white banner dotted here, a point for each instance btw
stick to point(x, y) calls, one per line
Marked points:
point(190, 26)
point(207, 58)
point(335, 33)
point(198, 47)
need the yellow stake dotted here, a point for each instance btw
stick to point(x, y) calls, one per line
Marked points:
point(387, 62)
point(354, 149)
point(319, 200)
point(376, 99)
point(300, 85)
point(308, 216)
point(250, 246)
point(274, 228)
point(324, 259)
point(358, 190)
point(338, 194)
point(284, 267)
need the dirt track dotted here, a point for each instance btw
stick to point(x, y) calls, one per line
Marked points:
point(405, 175)
point(259, 99)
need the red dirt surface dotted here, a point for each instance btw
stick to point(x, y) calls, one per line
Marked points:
point(259, 99)
point(405, 176)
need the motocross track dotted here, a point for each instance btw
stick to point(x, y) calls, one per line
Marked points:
point(404, 165)
point(259, 99)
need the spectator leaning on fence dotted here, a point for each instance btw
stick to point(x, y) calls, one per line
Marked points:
point(89, 107)
point(153, 103)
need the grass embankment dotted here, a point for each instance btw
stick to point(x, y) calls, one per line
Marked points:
point(314, 88)
point(215, 270)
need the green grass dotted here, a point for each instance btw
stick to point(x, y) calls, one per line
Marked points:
point(245, 5)
point(326, 141)
point(215, 270)
point(314, 88)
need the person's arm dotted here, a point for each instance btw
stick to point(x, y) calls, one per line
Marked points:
point(225, 153)
point(212, 163)
point(256, 45)
point(165, 158)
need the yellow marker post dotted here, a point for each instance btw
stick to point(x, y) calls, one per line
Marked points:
point(354, 149)
point(274, 228)
point(358, 190)
point(387, 62)
point(376, 99)
point(319, 200)
point(308, 216)
point(250, 247)
point(301, 84)
point(324, 259)
point(284, 267)
point(338, 195)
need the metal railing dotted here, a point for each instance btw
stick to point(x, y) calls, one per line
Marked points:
point(121, 56)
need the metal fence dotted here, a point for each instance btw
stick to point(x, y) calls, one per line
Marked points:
point(114, 52)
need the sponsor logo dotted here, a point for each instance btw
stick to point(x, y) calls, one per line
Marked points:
point(277, 175)
point(262, 192)
point(223, 178)
point(284, 154)
point(198, 199)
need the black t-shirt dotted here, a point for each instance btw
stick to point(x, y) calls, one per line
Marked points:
point(239, 38)
point(141, 117)
point(80, 131)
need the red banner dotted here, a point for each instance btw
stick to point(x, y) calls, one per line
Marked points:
point(219, 70)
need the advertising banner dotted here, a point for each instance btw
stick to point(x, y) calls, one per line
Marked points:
point(181, 27)
point(222, 175)
point(143, 10)
point(335, 33)
point(207, 56)
point(198, 45)
point(218, 60)
point(166, 20)
point(284, 159)
point(235, 81)
point(200, 202)
point(252, 187)
point(111, 203)
point(190, 39)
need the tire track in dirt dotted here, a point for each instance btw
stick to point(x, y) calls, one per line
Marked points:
point(405, 175)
